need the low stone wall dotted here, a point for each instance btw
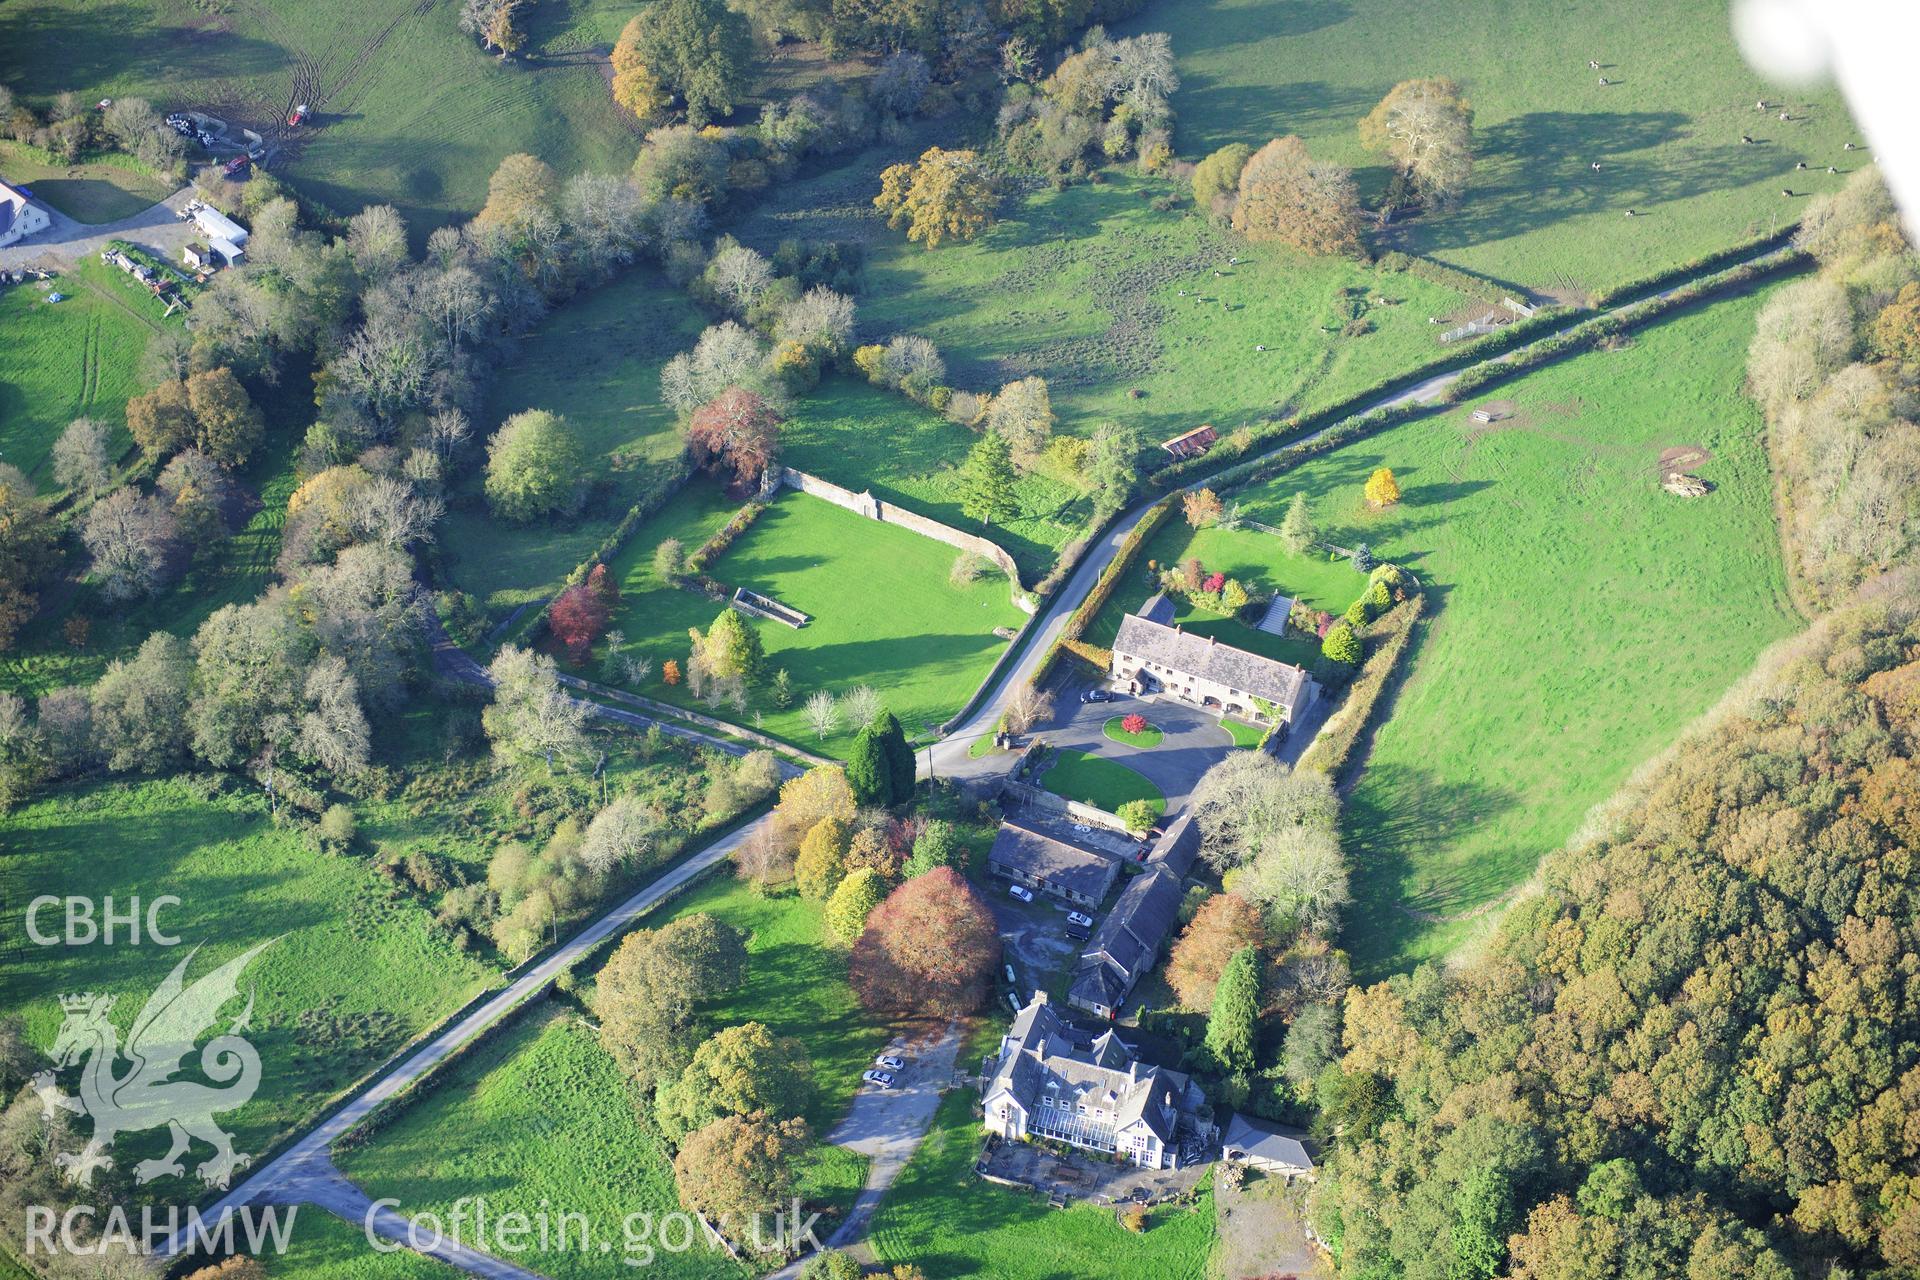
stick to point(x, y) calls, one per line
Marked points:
point(873, 508)
point(1030, 796)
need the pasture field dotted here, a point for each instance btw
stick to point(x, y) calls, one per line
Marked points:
point(1084, 287)
point(946, 1221)
point(69, 359)
point(1578, 615)
point(857, 435)
point(408, 110)
point(884, 614)
point(322, 1247)
point(1261, 563)
point(101, 188)
point(1100, 782)
point(351, 973)
point(544, 1115)
point(1666, 130)
point(596, 361)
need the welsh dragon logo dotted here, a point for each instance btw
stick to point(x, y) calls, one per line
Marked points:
point(145, 1095)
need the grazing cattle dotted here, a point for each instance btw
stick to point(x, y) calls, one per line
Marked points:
point(1746, 138)
point(1629, 213)
point(1785, 192)
point(1592, 65)
point(1785, 116)
point(1831, 169)
point(1801, 165)
point(1603, 82)
point(1848, 147)
point(1595, 166)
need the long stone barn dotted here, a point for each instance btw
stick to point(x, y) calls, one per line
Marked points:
point(1153, 657)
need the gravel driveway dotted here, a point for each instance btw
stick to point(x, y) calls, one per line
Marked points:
point(157, 227)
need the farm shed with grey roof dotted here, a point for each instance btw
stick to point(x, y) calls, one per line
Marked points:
point(1051, 865)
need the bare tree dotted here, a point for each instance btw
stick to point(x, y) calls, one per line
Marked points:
point(739, 276)
point(605, 220)
point(1245, 800)
point(333, 731)
point(132, 539)
point(391, 513)
point(531, 717)
point(823, 713)
point(820, 320)
point(1022, 415)
point(860, 705)
point(377, 240)
point(619, 834)
point(1026, 707)
point(1426, 128)
point(1144, 73)
point(80, 456)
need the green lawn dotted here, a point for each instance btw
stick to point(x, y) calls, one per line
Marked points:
point(1099, 782)
point(1666, 132)
point(1084, 287)
point(408, 110)
point(351, 973)
point(1146, 738)
point(1578, 615)
point(1261, 563)
point(322, 1247)
point(855, 434)
point(105, 188)
point(544, 1116)
point(884, 613)
point(595, 361)
point(65, 360)
point(943, 1219)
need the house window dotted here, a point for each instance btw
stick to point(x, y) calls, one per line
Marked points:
point(1081, 1108)
point(1005, 1111)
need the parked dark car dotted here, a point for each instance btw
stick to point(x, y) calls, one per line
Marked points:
point(1096, 695)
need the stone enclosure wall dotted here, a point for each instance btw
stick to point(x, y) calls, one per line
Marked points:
point(875, 509)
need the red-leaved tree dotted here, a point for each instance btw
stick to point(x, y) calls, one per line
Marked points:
point(604, 587)
point(1135, 723)
point(736, 429)
point(928, 949)
point(576, 619)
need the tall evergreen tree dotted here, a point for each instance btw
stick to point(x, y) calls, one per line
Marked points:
point(867, 772)
point(1233, 1025)
point(898, 756)
point(1297, 529)
point(986, 481)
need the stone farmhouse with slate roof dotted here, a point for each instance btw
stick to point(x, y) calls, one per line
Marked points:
point(1052, 866)
point(19, 216)
point(1127, 942)
point(1153, 657)
point(1051, 1081)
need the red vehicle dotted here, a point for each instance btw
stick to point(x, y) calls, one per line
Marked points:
point(297, 117)
point(239, 164)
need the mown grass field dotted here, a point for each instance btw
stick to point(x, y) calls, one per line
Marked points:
point(105, 188)
point(1666, 131)
point(596, 361)
point(351, 973)
point(545, 1117)
point(1100, 782)
point(946, 1221)
point(408, 110)
point(1579, 616)
point(1258, 560)
point(884, 614)
point(857, 435)
point(64, 360)
point(1084, 287)
point(322, 1247)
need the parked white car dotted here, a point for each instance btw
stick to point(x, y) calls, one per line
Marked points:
point(890, 1062)
point(1080, 918)
point(1020, 891)
point(883, 1079)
